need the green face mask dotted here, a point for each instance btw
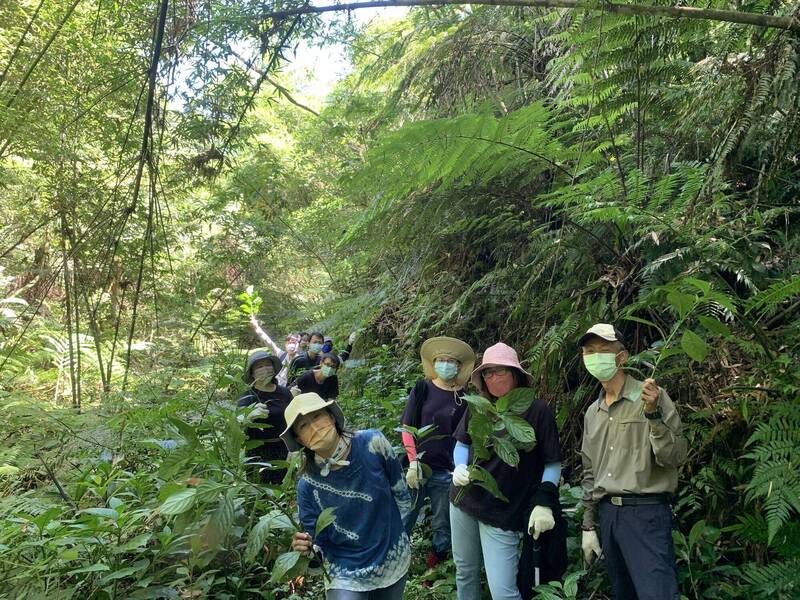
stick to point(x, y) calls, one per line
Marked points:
point(601, 365)
point(328, 371)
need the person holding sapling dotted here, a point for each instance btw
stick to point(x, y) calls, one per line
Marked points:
point(438, 402)
point(488, 527)
point(357, 477)
point(631, 450)
point(269, 400)
point(321, 380)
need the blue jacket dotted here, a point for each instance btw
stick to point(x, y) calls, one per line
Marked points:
point(366, 547)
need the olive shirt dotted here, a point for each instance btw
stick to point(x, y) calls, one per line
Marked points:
point(625, 453)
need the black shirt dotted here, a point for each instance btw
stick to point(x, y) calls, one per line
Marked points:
point(328, 389)
point(276, 401)
point(516, 483)
point(441, 408)
point(300, 365)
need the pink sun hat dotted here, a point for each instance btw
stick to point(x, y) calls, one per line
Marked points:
point(499, 355)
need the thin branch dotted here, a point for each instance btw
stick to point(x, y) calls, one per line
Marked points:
point(20, 43)
point(41, 54)
point(677, 12)
point(58, 485)
point(281, 89)
point(144, 158)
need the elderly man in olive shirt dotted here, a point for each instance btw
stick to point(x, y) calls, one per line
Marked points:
point(632, 447)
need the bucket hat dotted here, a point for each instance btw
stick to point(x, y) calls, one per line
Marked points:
point(254, 358)
point(499, 355)
point(304, 404)
point(602, 330)
point(435, 347)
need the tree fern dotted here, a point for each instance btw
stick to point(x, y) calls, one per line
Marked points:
point(776, 480)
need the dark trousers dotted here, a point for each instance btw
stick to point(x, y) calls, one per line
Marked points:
point(637, 545)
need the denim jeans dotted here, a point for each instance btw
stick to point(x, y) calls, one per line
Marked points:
point(393, 592)
point(437, 488)
point(500, 550)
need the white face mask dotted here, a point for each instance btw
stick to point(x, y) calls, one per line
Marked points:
point(263, 374)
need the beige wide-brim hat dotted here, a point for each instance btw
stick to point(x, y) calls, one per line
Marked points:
point(434, 348)
point(304, 404)
point(499, 355)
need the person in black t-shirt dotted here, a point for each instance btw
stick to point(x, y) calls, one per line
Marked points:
point(271, 400)
point(447, 363)
point(307, 360)
point(489, 528)
point(321, 380)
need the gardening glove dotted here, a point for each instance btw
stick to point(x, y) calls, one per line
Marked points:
point(295, 390)
point(413, 475)
point(461, 475)
point(352, 339)
point(590, 545)
point(260, 410)
point(541, 520)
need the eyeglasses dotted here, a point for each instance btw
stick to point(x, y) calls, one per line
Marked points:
point(493, 372)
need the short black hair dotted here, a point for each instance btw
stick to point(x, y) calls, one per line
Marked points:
point(317, 334)
point(332, 356)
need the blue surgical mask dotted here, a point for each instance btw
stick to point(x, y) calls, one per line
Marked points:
point(326, 347)
point(328, 371)
point(315, 348)
point(446, 370)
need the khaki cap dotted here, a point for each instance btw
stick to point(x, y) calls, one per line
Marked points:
point(602, 330)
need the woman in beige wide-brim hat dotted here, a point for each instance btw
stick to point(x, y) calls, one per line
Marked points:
point(486, 529)
point(365, 550)
point(438, 400)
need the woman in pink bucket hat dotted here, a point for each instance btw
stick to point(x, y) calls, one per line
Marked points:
point(487, 529)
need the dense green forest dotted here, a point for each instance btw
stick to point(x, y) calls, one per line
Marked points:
point(489, 173)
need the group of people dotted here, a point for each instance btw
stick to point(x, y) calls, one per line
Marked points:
point(632, 446)
point(308, 363)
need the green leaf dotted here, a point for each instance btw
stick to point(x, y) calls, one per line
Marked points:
point(90, 569)
point(284, 563)
point(257, 538)
point(483, 478)
point(479, 403)
point(714, 326)
point(139, 565)
point(219, 523)
point(517, 401)
point(479, 429)
point(108, 513)
point(681, 302)
point(696, 533)
point(180, 502)
point(186, 430)
point(207, 491)
point(506, 451)
point(519, 429)
point(694, 346)
point(326, 518)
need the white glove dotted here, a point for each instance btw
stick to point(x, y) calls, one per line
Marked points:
point(541, 520)
point(590, 545)
point(295, 391)
point(461, 475)
point(413, 475)
point(352, 339)
point(260, 410)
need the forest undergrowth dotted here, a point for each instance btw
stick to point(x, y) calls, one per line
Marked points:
point(487, 173)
